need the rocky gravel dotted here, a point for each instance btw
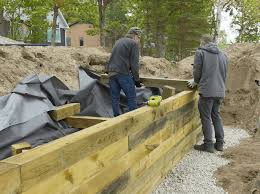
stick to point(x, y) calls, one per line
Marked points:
point(195, 172)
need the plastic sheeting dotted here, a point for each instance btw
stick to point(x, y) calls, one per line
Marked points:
point(24, 113)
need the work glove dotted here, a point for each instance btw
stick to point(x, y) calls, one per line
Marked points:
point(191, 83)
point(138, 84)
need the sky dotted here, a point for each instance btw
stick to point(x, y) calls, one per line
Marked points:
point(225, 25)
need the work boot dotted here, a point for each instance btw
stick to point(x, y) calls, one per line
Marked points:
point(219, 146)
point(205, 147)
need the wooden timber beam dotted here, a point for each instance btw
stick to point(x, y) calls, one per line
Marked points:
point(134, 163)
point(64, 111)
point(168, 91)
point(82, 122)
point(178, 84)
point(45, 161)
point(9, 178)
point(20, 147)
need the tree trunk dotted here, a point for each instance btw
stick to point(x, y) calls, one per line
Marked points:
point(101, 9)
point(219, 7)
point(148, 46)
point(54, 22)
point(160, 51)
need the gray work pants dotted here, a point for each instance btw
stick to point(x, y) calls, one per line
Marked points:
point(209, 112)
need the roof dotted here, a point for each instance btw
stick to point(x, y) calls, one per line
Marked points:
point(4, 40)
point(63, 19)
point(78, 22)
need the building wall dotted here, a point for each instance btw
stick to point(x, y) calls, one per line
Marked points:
point(77, 32)
point(4, 26)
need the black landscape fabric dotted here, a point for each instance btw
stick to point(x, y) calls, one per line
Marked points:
point(24, 112)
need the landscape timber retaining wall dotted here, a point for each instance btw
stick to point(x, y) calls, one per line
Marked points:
point(127, 154)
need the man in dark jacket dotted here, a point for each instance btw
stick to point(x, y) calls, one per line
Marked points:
point(210, 73)
point(123, 69)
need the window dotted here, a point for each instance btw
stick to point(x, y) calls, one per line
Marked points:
point(81, 41)
point(58, 35)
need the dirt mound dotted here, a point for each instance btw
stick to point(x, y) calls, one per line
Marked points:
point(17, 62)
point(242, 103)
point(242, 175)
point(241, 106)
point(183, 69)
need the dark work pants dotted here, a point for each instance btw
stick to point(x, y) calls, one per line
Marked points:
point(126, 83)
point(209, 112)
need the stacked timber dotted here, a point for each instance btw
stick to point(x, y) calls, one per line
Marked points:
point(128, 154)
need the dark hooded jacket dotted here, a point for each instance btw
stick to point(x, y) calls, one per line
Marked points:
point(210, 71)
point(124, 58)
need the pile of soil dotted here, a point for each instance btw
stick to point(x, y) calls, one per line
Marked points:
point(241, 105)
point(17, 62)
point(242, 175)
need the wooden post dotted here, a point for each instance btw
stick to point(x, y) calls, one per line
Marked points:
point(20, 147)
point(64, 111)
point(168, 91)
point(151, 147)
point(82, 122)
point(104, 79)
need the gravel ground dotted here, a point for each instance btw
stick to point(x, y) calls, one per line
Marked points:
point(194, 174)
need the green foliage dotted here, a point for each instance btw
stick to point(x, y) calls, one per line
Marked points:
point(1, 5)
point(222, 40)
point(188, 22)
point(13, 9)
point(81, 11)
point(92, 32)
point(37, 23)
point(248, 20)
point(173, 26)
point(116, 25)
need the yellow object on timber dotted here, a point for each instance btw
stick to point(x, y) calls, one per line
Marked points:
point(154, 101)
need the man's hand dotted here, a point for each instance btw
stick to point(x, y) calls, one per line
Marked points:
point(138, 84)
point(191, 83)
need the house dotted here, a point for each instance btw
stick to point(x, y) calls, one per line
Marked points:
point(77, 35)
point(61, 27)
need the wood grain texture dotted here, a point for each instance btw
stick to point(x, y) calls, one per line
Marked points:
point(64, 111)
point(9, 178)
point(46, 161)
point(82, 122)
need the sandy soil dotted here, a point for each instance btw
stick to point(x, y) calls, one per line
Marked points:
point(242, 104)
point(17, 62)
point(242, 175)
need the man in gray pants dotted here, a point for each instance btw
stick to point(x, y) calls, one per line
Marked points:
point(210, 73)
